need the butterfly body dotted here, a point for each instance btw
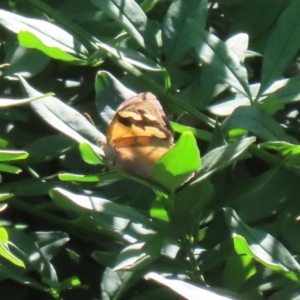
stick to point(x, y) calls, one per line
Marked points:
point(138, 135)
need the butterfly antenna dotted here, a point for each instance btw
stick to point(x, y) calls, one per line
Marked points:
point(89, 118)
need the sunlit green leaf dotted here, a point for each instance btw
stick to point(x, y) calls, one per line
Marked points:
point(10, 169)
point(29, 40)
point(185, 289)
point(179, 163)
point(8, 155)
point(262, 246)
point(89, 154)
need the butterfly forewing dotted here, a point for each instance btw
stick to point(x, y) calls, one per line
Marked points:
point(139, 135)
point(141, 115)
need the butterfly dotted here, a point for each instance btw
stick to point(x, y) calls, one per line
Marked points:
point(138, 135)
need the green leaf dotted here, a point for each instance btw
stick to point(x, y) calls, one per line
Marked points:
point(262, 246)
point(210, 83)
point(158, 211)
point(128, 56)
point(225, 65)
point(82, 202)
point(49, 147)
point(185, 289)
point(251, 17)
point(3, 197)
point(189, 205)
point(29, 187)
point(115, 284)
point(9, 155)
point(291, 153)
point(89, 154)
point(290, 292)
point(227, 105)
point(109, 92)
point(10, 169)
point(110, 176)
point(287, 90)
point(175, 26)
point(139, 255)
point(254, 120)
point(50, 242)
point(158, 293)
point(68, 283)
point(32, 256)
point(263, 196)
point(105, 258)
point(62, 117)
point(193, 198)
point(282, 147)
point(179, 163)
point(237, 270)
point(29, 40)
point(13, 102)
point(183, 32)
point(4, 248)
point(128, 14)
point(26, 62)
point(198, 133)
point(3, 235)
point(13, 273)
point(49, 34)
point(79, 178)
point(270, 105)
point(238, 43)
point(277, 56)
point(221, 158)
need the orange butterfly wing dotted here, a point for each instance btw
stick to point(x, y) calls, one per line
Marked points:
point(139, 134)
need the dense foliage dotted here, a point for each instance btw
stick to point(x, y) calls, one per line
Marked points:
point(227, 75)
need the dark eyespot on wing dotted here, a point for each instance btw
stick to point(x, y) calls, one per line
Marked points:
point(125, 121)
